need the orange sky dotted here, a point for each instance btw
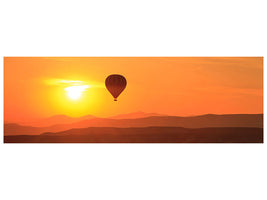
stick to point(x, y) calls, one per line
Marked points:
point(35, 87)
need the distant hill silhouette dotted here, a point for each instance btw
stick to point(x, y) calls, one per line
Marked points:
point(15, 129)
point(234, 120)
point(210, 120)
point(56, 119)
point(145, 135)
point(135, 115)
point(64, 119)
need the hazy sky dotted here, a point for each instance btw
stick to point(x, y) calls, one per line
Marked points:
point(36, 87)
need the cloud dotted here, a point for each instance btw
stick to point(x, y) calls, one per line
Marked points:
point(68, 83)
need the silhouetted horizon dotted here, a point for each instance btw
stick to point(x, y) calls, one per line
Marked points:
point(131, 115)
point(145, 135)
point(202, 121)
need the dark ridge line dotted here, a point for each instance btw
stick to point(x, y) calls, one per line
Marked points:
point(176, 127)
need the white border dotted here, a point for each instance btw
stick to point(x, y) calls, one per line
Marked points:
point(133, 171)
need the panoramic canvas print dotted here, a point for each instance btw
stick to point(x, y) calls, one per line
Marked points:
point(133, 100)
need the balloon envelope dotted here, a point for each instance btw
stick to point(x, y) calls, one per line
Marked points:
point(115, 84)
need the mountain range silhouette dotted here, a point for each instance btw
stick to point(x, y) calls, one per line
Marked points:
point(61, 124)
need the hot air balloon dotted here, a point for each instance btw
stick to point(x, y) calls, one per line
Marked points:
point(115, 84)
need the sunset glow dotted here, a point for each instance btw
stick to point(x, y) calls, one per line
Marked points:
point(41, 87)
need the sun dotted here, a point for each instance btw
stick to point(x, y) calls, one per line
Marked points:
point(75, 92)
